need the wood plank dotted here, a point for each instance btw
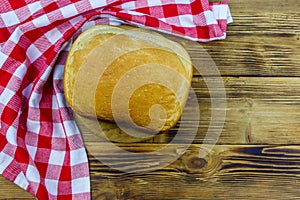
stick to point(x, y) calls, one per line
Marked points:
point(259, 111)
point(251, 54)
point(271, 6)
point(228, 172)
point(9, 190)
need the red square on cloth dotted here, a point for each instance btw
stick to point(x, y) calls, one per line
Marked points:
point(5, 77)
point(170, 10)
point(17, 4)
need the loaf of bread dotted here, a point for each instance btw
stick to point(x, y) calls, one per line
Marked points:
point(132, 76)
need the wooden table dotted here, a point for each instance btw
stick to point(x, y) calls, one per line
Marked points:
point(258, 153)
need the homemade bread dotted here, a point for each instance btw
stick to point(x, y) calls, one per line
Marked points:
point(132, 76)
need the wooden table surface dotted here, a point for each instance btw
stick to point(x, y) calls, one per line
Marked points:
point(258, 153)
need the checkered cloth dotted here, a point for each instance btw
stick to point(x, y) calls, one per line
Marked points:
point(41, 148)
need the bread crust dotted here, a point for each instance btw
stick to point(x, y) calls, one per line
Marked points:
point(103, 55)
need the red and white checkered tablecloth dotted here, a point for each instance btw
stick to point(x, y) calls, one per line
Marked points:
point(41, 148)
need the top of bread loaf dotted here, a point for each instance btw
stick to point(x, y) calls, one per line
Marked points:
point(133, 76)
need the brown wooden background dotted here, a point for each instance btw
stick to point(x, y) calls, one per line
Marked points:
point(258, 153)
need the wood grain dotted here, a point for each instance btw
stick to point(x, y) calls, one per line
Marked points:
point(228, 172)
point(258, 153)
point(8, 190)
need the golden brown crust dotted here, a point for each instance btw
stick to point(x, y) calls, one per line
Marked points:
point(103, 55)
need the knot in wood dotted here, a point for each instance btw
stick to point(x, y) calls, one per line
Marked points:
point(196, 163)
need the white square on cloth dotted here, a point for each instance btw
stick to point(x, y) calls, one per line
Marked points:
point(10, 18)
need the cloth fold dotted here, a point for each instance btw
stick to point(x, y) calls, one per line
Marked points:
point(41, 148)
